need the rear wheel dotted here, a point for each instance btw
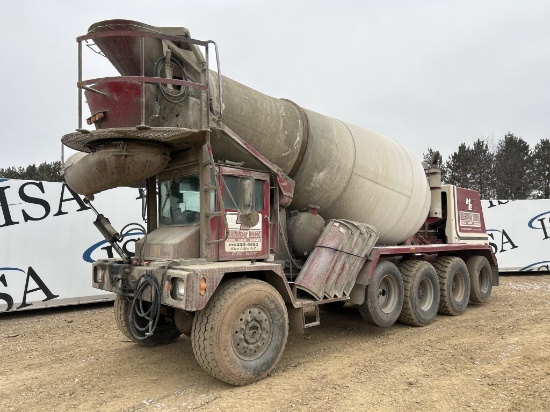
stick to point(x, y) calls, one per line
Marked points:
point(454, 282)
point(383, 296)
point(165, 332)
point(241, 333)
point(421, 296)
point(481, 279)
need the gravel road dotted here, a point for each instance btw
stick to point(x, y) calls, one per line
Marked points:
point(493, 357)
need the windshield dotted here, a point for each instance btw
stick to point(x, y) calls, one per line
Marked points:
point(180, 200)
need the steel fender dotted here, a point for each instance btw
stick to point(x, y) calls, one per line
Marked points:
point(202, 281)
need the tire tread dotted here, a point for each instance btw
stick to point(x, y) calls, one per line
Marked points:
point(408, 314)
point(204, 336)
point(442, 265)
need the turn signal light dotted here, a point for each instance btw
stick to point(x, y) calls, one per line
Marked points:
point(203, 286)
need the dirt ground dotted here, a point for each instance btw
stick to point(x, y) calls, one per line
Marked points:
point(493, 357)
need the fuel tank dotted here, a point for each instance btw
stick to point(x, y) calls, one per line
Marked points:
point(348, 172)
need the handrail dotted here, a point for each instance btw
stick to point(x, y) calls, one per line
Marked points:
point(147, 79)
point(140, 33)
point(142, 79)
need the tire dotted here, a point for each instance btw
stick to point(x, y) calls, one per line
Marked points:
point(164, 332)
point(383, 296)
point(421, 293)
point(481, 279)
point(241, 333)
point(454, 283)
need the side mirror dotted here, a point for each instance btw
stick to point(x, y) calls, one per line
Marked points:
point(247, 202)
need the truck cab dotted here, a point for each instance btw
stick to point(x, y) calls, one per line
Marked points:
point(237, 228)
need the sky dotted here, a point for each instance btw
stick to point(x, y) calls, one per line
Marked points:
point(428, 73)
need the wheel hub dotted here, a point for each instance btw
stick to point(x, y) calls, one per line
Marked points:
point(425, 294)
point(484, 281)
point(457, 287)
point(387, 296)
point(252, 332)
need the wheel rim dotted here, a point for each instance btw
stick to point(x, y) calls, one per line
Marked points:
point(458, 286)
point(484, 280)
point(387, 294)
point(425, 294)
point(252, 332)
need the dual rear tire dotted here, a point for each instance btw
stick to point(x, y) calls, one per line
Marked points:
point(383, 296)
point(421, 293)
point(408, 293)
point(454, 281)
point(481, 279)
point(417, 290)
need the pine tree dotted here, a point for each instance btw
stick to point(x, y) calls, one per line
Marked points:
point(512, 169)
point(49, 172)
point(459, 167)
point(481, 174)
point(541, 170)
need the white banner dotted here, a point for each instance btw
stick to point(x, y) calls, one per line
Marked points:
point(519, 233)
point(48, 242)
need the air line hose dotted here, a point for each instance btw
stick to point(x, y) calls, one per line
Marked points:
point(176, 96)
point(144, 316)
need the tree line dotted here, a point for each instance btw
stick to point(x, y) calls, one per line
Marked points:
point(506, 169)
point(48, 172)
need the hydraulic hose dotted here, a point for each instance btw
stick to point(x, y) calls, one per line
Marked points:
point(144, 316)
point(176, 97)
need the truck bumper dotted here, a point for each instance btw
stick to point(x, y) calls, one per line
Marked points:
point(181, 287)
point(186, 285)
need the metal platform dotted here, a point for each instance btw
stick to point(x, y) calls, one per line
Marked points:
point(173, 137)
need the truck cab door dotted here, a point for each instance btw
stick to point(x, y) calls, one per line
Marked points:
point(245, 196)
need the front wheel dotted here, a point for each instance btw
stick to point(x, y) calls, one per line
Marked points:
point(165, 332)
point(383, 296)
point(241, 333)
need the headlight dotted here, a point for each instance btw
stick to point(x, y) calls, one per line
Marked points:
point(99, 275)
point(178, 288)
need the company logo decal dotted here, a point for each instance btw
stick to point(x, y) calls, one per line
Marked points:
point(543, 265)
point(37, 285)
point(541, 225)
point(90, 255)
point(242, 238)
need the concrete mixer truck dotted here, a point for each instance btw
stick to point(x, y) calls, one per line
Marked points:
point(259, 212)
